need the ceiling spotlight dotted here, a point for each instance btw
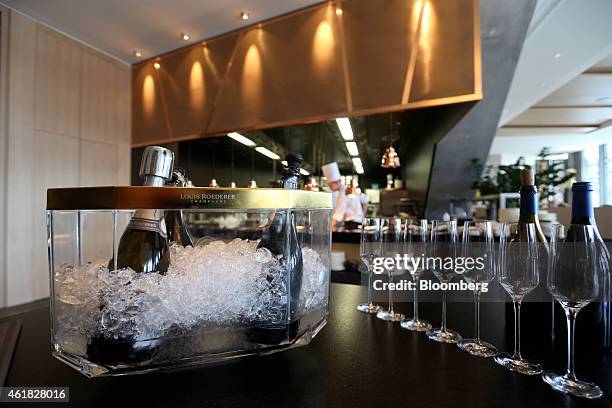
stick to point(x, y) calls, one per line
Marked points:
point(137, 54)
point(239, 138)
point(304, 172)
point(185, 36)
point(352, 148)
point(357, 162)
point(267, 153)
point(244, 15)
point(156, 65)
point(359, 170)
point(338, 11)
point(344, 124)
point(558, 55)
point(284, 163)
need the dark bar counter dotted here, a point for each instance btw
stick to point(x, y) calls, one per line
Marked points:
point(356, 361)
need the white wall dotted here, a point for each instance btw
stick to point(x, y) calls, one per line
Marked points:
point(67, 124)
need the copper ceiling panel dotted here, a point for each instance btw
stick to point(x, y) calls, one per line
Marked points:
point(191, 80)
point(289, 70)
point(379, 41)
point(448, 54)
point(348, 58)
point(149, 118)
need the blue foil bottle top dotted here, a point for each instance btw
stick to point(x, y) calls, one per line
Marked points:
point(582, 206)
point(582, 186)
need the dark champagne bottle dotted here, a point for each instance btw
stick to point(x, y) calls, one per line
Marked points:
point(281, 239)
point(175, 223)
point(594, 319)
point(143, 247)
point(539, 309)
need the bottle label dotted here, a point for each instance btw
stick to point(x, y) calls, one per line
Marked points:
point(146, 224)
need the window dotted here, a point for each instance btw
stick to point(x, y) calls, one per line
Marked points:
point(590, 170)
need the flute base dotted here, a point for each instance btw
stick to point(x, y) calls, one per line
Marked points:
point(518, 364)
point(477, 348)
point(567, 384)
point(370, 308)
point(417, 325)
point(390, 316)
point(443, 336)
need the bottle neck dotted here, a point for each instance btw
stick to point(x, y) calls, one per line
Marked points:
point(582, 207)
point(529, 204)
point(154, 181)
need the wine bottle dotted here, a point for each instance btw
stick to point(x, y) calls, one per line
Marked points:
point(281, 239)
point(595, 317)
point(143, 247)
point(539, 309)
point(175, 224)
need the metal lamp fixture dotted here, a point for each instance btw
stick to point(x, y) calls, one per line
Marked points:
point(390, 159)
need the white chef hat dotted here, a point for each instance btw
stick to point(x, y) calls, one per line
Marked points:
point(331, 171)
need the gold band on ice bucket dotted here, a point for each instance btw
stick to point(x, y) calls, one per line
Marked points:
point(128, 198)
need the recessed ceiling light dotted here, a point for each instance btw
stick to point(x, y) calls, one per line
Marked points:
point(239, 138)
point(185, 36)
point(558, 55)
point(304, 172)
point(137, 54)
point(284, 163)
point(338, 11)
point(344, 125)
point(244, 15)
point(357, 162)
point(352, 148)
point(267, 153)
point(156, 65)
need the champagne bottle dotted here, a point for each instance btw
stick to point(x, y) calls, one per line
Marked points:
point(175, 224)
point(281, 239)
point(595, 317)
point(143, 247)
point(539, 311)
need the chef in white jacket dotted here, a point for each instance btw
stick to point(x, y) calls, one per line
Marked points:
point(349, 209)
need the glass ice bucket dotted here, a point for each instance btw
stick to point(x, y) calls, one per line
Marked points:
point(227, 296)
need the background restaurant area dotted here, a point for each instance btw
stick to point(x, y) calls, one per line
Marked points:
point(195, 192)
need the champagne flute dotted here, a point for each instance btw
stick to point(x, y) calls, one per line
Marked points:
point(391, 246)
point(443, 244)
point(578, 264)
point(478, 242)
point(369, 249)
point(519, 273)
point(415, 238)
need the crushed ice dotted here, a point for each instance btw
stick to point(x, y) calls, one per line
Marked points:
point(214, 283)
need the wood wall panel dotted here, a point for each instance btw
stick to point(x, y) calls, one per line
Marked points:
point(97, 158)
point(58, 72)
point(316, 64)
point(19, 206)
point(98, 92)
point(68, 124)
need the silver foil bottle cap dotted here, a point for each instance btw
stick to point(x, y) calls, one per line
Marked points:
point(157, 161)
